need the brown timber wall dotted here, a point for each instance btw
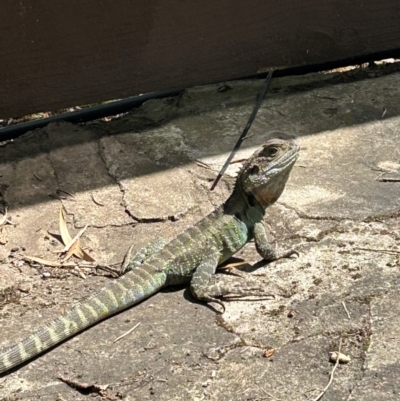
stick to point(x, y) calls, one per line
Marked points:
point(57, 53)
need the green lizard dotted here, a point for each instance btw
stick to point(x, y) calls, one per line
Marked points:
point(193, 256)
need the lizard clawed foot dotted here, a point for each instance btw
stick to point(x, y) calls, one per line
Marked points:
point(220, 303)
point(234, 291)
point(285, 255)
point(260, 295)
point(239, 291)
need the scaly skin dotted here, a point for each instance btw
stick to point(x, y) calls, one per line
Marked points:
point(193, 256)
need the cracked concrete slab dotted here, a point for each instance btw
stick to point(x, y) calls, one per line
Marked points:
point(148, 174)
point(382, 363)
point(74, 168)
point(152, 166)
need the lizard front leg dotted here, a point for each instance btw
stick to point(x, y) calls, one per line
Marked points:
point(204, 288)
point(132, 261)
point(264, 248)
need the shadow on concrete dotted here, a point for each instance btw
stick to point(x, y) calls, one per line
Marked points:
point(202, 122)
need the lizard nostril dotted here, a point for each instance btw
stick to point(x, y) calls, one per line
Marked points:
point(255, 170)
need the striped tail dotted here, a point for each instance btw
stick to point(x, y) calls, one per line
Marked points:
point(120, 294)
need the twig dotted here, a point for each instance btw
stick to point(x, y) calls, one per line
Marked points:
point(379, 177)
point(92, 388)
point(344, 306)
point(66, 192)
point(267, 393)
point(389, 251)
point(202, 164)
point(61, 264)
point(95, 201)
point(37, 177)
point(5, 221)
point(389, 179)
point(321, 394)
point(44, 262)
point(125, 334)
point(238, 161)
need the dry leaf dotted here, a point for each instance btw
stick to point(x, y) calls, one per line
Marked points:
point(333, 356)
point(53, 263)
point(74, 240)
point(4, 220)
point(44, 262)
point(269, 352)
point(72, 243)
point(86, 256)
point(64, 229)
point(74, 248)
point(235, 264)
point(3, 236)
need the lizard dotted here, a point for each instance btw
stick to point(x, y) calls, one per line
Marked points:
point(192, 256)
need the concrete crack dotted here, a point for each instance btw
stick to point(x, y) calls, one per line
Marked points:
point(117, 182)
point(367, 346)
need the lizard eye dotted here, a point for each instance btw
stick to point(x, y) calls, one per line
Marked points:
point(272, 151)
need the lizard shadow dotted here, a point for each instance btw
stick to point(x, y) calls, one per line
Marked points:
point(87, 391)
point(187, 295)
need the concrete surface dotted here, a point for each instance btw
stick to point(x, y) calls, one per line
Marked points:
point(149, 173)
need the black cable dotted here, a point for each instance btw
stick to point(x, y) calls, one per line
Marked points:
point(245, 131)
point(83, 115)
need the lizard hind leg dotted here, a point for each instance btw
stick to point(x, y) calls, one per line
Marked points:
point(200, 283)
point(132, 261)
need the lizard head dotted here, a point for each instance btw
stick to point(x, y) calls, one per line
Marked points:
point(265, 173)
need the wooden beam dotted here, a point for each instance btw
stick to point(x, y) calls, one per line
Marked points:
point(56, 54)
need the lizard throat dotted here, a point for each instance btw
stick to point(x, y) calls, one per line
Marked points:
point(270, 192)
